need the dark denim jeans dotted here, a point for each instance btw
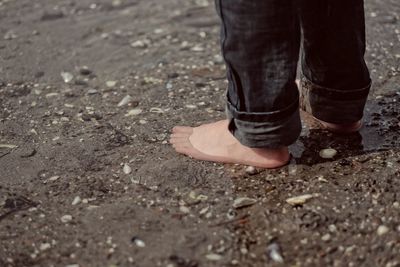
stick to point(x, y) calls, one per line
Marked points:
point(261, 42)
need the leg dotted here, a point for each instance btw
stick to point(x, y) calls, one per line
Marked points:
point(336, 81)
point(260, 44)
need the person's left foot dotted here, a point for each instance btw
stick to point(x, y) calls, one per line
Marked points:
point(214, 142)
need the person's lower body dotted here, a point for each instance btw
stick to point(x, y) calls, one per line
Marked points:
point(261, 41)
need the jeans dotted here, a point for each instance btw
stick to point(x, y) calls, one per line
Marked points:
point(262, 41)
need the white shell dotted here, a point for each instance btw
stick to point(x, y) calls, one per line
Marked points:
point(299, 199)
point(213, 257)
point(133, 112)
point(243, 202)
point(127, 169)
point(382, 229)
point(327, 153)
point(125, 101)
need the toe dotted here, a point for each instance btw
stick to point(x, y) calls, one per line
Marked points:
point(182, 129)
point(177, 140)
point(180, 135)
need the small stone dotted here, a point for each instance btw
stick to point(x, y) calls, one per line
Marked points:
point(332, 228)
point(133, 112)
point(76, 201)
point(204, 210)
point(54, 178)
point(197, 48)
point(67, 77)
point(273, 251)
point(327, 153)
point(126, 100)
point(326, 237)
point(127, 169)
point(66, 218)
point(184, 209)
point(161, 137)
point(49, 95)
point(243, 202)
point(213, 257)
point(299, 200)
point(10, 35)
point(138, 242)
point(191, 106)
point(92, 92)
point(111, 84)
point(27, 152)
point(44, 246)
point(139, 44)
point(73, 265)
point(251, 170)
point(85, 71)
point(382, 229)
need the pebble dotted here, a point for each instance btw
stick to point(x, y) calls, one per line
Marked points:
point(299, 199)
point(111, 84)
point(126, 100)
point(204, 210)
point(326, 237)
point(73, 265)
point(133, 112)
point(85, 70)
point(273, 251)
point(76, 201)
point(139, 44)
point(92, 92)
point(44, 246)
point(327, 153)
point(54, 178)
point(213, 257)
point(52, 95)
point(127, 169)
point(168, 86)
point(10, 35)
point(382, 229)
point(184, 209)
point(66, 218)
point(67, 77)
point(197, 48)
point(138, 242)
point(251, 170)
point(243, 202)
point(191, 106)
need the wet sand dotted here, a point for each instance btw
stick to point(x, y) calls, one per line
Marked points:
point(87, 177)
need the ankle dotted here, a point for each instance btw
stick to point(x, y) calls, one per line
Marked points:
point(341, 127)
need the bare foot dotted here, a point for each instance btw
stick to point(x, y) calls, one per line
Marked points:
point(214, 142)
point(345, 128)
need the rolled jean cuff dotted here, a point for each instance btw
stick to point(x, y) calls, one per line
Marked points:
point(332, 105)
point(265, 130)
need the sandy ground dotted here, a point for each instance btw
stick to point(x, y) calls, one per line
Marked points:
point(88, 180)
